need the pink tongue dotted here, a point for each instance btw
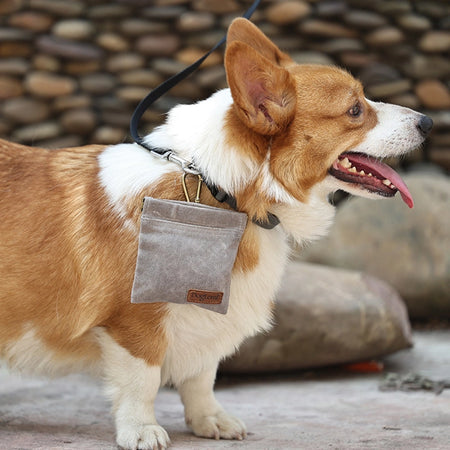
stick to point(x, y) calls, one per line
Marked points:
point(384, 171)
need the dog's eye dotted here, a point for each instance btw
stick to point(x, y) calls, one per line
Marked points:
point(355, 110)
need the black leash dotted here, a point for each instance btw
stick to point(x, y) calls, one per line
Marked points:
point(220, 195)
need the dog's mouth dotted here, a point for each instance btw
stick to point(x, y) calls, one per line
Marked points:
point(371, 175)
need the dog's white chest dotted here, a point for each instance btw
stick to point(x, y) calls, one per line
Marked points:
point(197, 338)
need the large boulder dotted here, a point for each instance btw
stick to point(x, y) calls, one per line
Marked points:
point(410, 249)
point(326, 316)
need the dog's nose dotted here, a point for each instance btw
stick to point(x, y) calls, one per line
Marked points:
point(425, 125)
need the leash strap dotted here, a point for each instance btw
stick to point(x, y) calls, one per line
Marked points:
point(187, 166)
point(169, 84)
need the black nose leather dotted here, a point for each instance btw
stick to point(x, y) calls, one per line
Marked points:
point(425, 125)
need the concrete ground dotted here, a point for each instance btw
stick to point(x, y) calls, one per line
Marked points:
point(325, 409)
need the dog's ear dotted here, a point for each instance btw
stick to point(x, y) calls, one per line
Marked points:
point(263, 92)
point(242, 30)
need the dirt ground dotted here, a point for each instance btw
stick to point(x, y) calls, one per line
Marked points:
point(322, 409)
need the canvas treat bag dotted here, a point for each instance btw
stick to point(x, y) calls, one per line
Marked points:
point(186, 254)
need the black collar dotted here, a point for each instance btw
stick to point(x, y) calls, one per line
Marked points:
point(221, 196)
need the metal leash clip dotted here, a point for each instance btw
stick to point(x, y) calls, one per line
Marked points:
point(186, 166)
point(185, 190)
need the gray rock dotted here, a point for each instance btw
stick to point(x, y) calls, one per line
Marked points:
point(212, 76)
point(119, 119)
point(79, 121)
point(287, 12)
point(433, 94)
point(331, 8)
point(43, 84)
point(364, 19)
point(216, 6)
point(434, 9)
point(342, 45)
point(112, 42)
point(31, 20)
point(14, 35)
point(385, 37)
point(204, 40)
point(66, 102)
point(356, 60)
point(127, 61)
point(288, 44)
point(111, 11)
point(46, 63)
point(65, 9)
point(433, 66)
point(14, 66)
point(163, 12)
point(408, 100)
point(74, 50)
point(192, 22)
point(326, 316)
point(73, 29)
point(37, 132)
point(138, 27)
point(98, 83)
point(378, 73)
point(414, 22)
point(435, 41)
point(410, 249)
point(167, 67)
point(441, 119)
point(109, 135)
point(25, 110)
point(141, 77)
point(314, 27)
point(158, 45)
point(384, 90)
point(393, 7)
point(312, 58)
point(132, 94)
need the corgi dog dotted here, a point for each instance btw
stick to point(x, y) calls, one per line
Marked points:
point(279, 140)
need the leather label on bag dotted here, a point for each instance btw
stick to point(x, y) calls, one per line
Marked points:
point(204, 297)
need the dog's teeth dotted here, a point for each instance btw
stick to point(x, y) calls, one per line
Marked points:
point(392, 186)
point(387, 182)
point(345, 163)
point(353, 169)
point(370, 175)
point(362, 172)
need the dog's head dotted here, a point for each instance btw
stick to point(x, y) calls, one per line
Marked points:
point(313, 123)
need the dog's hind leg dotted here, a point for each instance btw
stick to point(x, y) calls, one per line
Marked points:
point(132, 385)
point(203, 413)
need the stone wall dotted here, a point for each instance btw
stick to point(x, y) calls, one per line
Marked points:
point(72, 72)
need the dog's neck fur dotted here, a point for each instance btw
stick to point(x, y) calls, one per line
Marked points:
point(197, 133)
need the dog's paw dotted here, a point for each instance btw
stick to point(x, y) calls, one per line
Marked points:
point(143, 437)
point(218, 426)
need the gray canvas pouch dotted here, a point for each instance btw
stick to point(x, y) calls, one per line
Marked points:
point(186, 254)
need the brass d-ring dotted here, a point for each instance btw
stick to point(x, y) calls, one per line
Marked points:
point(199, 188)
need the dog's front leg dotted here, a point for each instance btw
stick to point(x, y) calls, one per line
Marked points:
point(203, 413)
point(133, 385)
